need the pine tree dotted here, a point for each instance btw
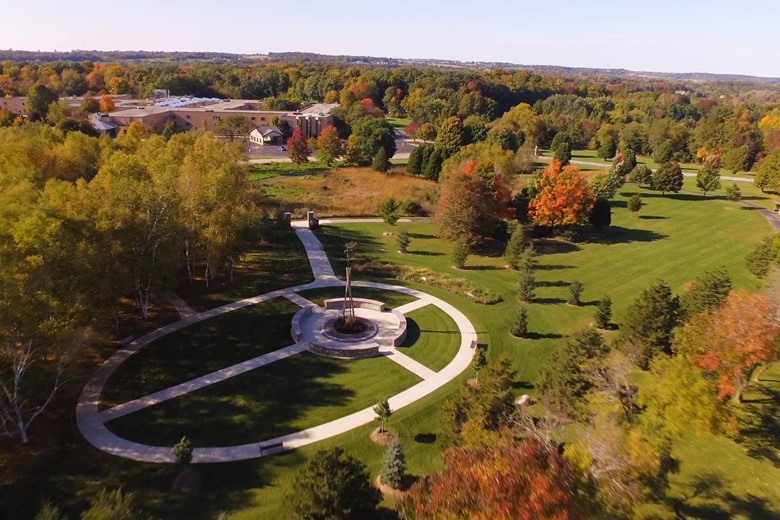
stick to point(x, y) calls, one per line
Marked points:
point(393, 465)
point(183, 451)
point(575, 292)
point(521, 322)
point(403, 241)
point(380, 162)
point(649, 323)
point(604, 313)
point(515, 247)
point(460, 254)
point(526, 285)
point(415, 164)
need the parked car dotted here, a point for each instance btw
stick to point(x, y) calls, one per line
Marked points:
point(282, 149)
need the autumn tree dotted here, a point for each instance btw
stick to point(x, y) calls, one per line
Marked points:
point(298, 147)
point(562, 197)
point(479, 483)
point(328, 145)
point(90, 105)
point(668, 177)
point(732, 340)
point(649, 323)
point(333, 485)
point(107, 104)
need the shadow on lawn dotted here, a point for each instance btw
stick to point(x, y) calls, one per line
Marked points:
point(760, 421)
point(707, 499)
point(259, 405)
point(621, 235)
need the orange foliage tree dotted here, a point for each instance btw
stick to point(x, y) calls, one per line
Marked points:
point(562, 198)
point(732, 340)
point(511, 480)
point(106, 103)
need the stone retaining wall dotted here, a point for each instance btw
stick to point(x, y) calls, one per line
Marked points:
point(360, 303)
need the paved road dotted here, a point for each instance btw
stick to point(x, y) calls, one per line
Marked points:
point(91, 421)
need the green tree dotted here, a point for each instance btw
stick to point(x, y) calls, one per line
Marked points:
point(520, 328)
point(608, 143)
point(604, 313)
point(298, 148)
point(561, 147)
point(480, 360)
point(733, 193)
point(368, 135)
point(768, 174)
point(563, 380)
point(575, 292)
point(526, 285)
point(450, 136)
point(393, 465)
point(736, 159)
point(233, 127)
point(90, 105)
point(328, 145)
point(50, 512)
point(59, 113)
point(649, 324)
point(415, 164)
point(760, 259)
point(663, 153)
point(39, 97)
point(706, 293)
point(641, 175)
point(112, 505)
point(708, 177)
point(606, 185)
point(668, 177)
point(635, 203)
point(460, 253)
point(601, 214)
point(388, 210)
point(182, 450)
point(333, 485)
point(433, 162)
point(380, 163)
point(515, 246)
point(383, 413)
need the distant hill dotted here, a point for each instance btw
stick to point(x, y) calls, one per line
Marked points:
point(292, 57)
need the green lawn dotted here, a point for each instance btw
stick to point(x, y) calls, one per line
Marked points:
point(259, 172)
point(750, 193)
point(264, 267)
point(391, 299)
point(590, 156)
point(398, 122)
point(287, 396)
point(432, 337)
point(202, 348)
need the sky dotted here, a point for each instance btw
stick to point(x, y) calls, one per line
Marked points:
point(715, 36)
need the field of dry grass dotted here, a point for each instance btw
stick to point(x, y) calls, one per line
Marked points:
point(350, 192)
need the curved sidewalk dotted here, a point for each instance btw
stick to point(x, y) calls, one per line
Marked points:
point(91, 420)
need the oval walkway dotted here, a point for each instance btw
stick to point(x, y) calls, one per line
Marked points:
point(91, 421)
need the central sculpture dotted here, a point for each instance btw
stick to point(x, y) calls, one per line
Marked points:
point(348, 323)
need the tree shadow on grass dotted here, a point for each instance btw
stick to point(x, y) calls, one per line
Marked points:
point(425, 438)
point(652, 217)
point(549, 301)
point(676, 196)
point(760, 421)
point(621, 235)
point(708, 499)
point(549, 246)
point(552, 267)
point(484, 268)
point(559, 283)
point(426, 253)
point(537, 335)
point(421, 235)
point(334, 239)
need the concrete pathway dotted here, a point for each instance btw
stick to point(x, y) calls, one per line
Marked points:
point(297, 299)
point(184, 310)
point(413, 306)
point(91, 421)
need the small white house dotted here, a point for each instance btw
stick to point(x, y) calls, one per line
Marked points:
point(264, 135)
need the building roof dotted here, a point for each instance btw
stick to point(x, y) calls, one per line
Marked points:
point(267, 131)
point(99, 124)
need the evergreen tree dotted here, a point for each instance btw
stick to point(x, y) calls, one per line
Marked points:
point(601, 214)
point(393, 465)
point(333, 485)
point(388, 210)
point(432, 166)
point(575, 292)
point(183, 451)
point(604, 313)
point(403, 241)
point(608, 146)
point(760, 259)
point(415, 164)
point(515, 246)
point(380, 162)
point(112, 505)
point(649, 324)
point(521, 322)
point(706, 293)
point(733, 193)
point(460, 254)
point(526, 285)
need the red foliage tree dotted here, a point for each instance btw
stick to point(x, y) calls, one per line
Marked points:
point(563, 197)
point(298, 147)
point(732, 340)
point(512, 480)
point(411, 129)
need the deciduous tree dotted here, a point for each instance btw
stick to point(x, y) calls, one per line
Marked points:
point(708, 177)
point(328, 145)
point(668, 177)
point(562, 197)
point(450, 136)
point(298, 148)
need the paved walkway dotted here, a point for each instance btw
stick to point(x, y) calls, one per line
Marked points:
point(184, 310)
point(91, 421)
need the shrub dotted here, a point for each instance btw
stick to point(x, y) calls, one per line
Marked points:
point(635, 203)
point(521, 322)
point(641, 175)
point(575, 292)
point(183, 451)
point(410, 208)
